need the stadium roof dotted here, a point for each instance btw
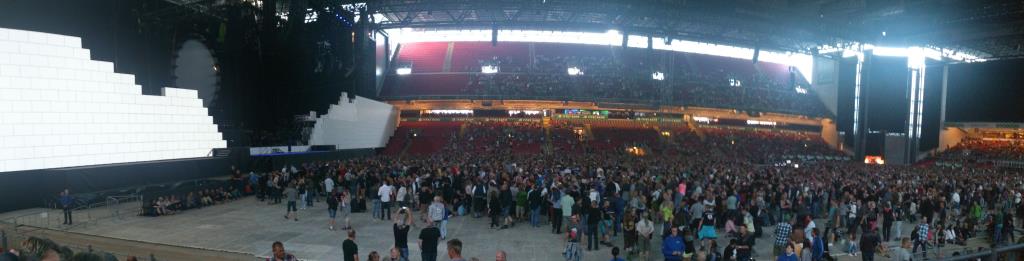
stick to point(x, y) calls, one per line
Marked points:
point(984, 28)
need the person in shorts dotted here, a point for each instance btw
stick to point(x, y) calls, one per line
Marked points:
point(332, 209)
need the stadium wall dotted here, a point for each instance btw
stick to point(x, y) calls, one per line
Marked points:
point(358, 123)
point(949, 137)
point(829, 133)
point(826, 83)
point(28, 189)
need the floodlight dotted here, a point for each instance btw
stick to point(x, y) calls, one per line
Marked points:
point(489, 69)
point(800, 90)
point(574, 71)
point(403, 71)
point(658, 76)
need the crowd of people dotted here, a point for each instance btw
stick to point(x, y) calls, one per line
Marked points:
point(41, 249)
point(685, 202)
point(979, 150)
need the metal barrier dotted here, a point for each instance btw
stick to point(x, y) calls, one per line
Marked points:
point(114, 207)
point(1011, 252)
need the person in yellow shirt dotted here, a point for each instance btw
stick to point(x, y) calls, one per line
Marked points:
point(666, 215)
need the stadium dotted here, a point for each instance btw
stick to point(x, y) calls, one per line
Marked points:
point(511, 129)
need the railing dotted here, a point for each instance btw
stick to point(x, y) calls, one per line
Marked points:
point(573, 98)
point(1012, 252)
point(112, 207)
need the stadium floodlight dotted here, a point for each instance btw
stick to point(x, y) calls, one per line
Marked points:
point(489, 69)
point(403, 71)
point(735, 83)
point(800, 90)
point(574, 71)
point(658, 76)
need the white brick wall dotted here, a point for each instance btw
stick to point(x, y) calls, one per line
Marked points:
point(58, 108)
point(364, 123)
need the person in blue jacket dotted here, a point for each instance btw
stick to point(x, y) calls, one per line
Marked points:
point(817, 246)
point(790, 254)
point(672, 247)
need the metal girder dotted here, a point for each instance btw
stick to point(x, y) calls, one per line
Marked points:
point(799, 27)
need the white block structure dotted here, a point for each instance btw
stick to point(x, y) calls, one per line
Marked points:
point(59, 108)
point(360, 124)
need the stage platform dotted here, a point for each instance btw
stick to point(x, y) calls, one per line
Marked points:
point(249, 226)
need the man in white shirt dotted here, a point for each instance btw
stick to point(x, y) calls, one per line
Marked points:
point(645, 231)
point(385, 199)
point(329, 185)
point(400, 196)
point(956, 200)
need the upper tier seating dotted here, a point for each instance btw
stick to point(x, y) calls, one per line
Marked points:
point(539, 71)
point(424, 57)
point(469, 56)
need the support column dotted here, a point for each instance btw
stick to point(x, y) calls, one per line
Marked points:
point(916, 73)
point(860, 108)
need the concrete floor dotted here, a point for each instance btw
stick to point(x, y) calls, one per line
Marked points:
point(250, 226)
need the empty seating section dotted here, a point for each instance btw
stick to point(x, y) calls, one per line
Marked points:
point(424, 57)
point(619, 138)
point(721, 67)
point(608, 73)
point(430, 136)
point(397, 141)
point(510, 57)
point(429, 84)
point(564, 139)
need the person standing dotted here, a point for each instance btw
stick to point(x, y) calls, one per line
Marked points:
point(428, 240)
point(921, 237)
point(888, 216)
point(566, 202)
point(645, 232)
point(455, 250)
point(782, 231)
point(293, 212)
point(593, 235)
point(556, 211)
point(67, 202)
point(349, 248)
point(400, 197)
point(332, 209)
point(572, 240)
point(744, 244)
point(672, 246)
point(436, 212)
point(789, 254)
point(385, 193)
point(280, 254)
point(401, 231)
point(903, 252)
point(869, 244)
point(329, 185)
point(345, 206)
point(534, 201)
